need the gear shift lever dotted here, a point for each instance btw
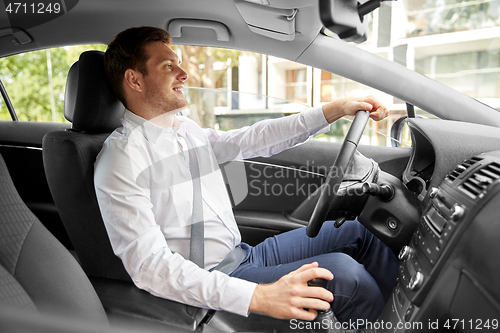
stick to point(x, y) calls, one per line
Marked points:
point(326, 320)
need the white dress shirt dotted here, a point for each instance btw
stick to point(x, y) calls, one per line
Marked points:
point(145, 193)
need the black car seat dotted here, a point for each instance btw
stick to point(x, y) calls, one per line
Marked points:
point(37, 273)
point(69, 158)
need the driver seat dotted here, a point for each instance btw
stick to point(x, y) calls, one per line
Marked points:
point(69, 156)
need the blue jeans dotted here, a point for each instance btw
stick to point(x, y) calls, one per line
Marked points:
point(364, 269)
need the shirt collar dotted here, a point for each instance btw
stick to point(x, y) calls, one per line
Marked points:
point(151, 131)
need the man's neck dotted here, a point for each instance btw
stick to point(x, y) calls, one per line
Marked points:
point(165, 119)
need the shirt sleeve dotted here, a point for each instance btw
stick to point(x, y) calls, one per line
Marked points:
point(267, 137)
point(137, 239)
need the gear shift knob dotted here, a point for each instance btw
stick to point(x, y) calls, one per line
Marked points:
point(317, 282)
point(328, 323)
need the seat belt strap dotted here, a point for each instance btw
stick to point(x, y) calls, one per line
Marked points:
point(231, 261)
point(197, 243)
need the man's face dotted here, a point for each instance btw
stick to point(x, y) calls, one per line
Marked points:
point(164, 83)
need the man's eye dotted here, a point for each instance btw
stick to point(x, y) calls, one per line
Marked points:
point(170, 66)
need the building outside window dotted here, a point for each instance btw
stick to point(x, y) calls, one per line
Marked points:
point(456, 43)
point(296, 85)
point(430, 17)
point(475, 73)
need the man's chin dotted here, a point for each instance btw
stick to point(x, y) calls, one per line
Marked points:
point(179, 108)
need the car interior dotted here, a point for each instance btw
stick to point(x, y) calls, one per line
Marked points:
point(435, 204)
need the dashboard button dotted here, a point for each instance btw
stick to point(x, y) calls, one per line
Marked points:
point(405, 252)
point(408, 313)
point(457, 213)
point(416, 281)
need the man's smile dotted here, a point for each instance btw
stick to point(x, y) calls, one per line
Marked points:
point(179, 90)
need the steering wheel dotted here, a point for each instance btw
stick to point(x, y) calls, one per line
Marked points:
point(336, 175)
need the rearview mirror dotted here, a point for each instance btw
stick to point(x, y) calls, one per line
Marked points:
point(346, 17)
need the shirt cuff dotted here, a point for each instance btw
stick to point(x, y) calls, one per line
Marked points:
point(237, 296)
point(315, 121)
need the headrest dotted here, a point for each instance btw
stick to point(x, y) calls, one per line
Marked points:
point(90, 103)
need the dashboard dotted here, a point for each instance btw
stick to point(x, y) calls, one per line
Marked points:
point(448, 273)
point(439, 146)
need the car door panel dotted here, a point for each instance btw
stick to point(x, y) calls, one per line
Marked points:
point(21, 148)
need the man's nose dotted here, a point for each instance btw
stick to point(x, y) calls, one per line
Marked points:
point(183, 76)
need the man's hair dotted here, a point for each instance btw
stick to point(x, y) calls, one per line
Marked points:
point(128, 50)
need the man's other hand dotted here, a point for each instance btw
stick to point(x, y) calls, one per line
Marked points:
point(288, 297)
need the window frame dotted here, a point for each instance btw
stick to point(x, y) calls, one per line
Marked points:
point(8, 102)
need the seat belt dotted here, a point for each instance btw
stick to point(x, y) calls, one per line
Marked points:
point(197, 244)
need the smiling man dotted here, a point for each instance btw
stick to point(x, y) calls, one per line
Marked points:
point(150, 226)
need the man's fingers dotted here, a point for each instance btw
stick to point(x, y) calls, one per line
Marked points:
point(365, 106)
point(293, 294)
point(305, 267)
point(353, 107)
point(380, 113)
point(315, 303)
point(373, 101)
point(320, 294)
point(303, 314)
point(313, 273)
point(307, 309)
point(307, 273)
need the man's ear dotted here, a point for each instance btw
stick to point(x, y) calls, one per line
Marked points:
point(133, 79)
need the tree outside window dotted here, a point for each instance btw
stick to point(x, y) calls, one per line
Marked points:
point(36, 81)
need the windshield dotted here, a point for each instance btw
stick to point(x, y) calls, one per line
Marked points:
point(455, 42)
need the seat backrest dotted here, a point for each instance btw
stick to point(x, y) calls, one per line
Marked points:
point(69, 158)
point(37, 273)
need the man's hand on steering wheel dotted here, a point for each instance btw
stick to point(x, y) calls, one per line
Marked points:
point(363, 108)
point(349, 106)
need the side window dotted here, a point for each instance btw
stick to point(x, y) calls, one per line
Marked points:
point(35, 82)
point(230, 89)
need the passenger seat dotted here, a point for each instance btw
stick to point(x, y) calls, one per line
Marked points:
point(37, 273)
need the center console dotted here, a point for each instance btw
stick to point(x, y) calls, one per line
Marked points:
point(449, 213)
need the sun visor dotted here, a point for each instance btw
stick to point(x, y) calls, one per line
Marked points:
point(276, 23)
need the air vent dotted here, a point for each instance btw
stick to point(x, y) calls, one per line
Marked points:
point(462, 167)
point(479, 181)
